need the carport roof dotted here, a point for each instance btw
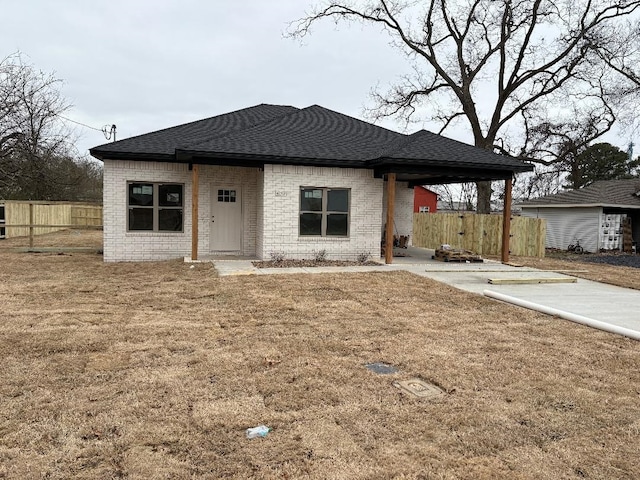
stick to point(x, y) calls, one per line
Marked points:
point(314, 136)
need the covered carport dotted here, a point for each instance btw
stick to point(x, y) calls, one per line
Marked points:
point(430, 159)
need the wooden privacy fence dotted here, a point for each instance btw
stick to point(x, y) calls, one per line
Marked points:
point(481, 234)
point(27, 218)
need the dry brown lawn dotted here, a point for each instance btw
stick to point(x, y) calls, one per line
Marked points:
point(63, 238)
point(155, 370)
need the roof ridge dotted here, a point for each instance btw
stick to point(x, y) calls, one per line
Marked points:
point(353, 118)
point(402, 143)
point(247, 127)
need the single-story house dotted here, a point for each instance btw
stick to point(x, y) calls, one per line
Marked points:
point(424, 200)
point(275, 179)
point(592, 215)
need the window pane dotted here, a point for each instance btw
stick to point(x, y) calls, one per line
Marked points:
point(338, 200)
point(141, 194)
point(311, 199)
point(337, 224)
point(170, 195)
point(170, 219)
point(140, 219)
point(310, 224)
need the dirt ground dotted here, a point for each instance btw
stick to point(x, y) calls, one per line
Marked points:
point(155, 370)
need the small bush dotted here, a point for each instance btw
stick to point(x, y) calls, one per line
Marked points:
point(363, 257)
point(320, 256)
point(277, 257)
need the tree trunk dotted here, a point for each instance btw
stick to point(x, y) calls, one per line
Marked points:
point(484, 197)
point(484, 188)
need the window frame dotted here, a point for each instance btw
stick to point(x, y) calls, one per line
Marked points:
point(155, 207)
point(324, 212)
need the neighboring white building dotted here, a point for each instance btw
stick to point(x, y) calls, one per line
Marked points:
point(592, 215)
point(273, 179)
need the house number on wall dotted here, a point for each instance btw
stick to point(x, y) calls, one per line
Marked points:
point(281, 193)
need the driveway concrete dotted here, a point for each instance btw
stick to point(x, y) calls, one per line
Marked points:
point(606, 303)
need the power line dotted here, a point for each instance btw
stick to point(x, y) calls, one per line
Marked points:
point(107, 130)
point(80, 123)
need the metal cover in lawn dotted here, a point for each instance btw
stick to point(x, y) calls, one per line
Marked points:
point(419, 388)
point(381, 368)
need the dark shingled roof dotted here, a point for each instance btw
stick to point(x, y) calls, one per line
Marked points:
point(433, 149)
point(165, 142)
point(600, 193)
point(311, 133)
point(314, 136)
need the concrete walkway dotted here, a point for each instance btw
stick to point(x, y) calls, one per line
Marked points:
point(614, 305)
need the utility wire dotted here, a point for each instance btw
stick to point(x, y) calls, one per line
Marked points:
point(107, 130)
point(80, 123)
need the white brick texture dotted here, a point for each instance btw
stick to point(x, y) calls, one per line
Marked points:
point(402, 210)
point(270, 211)
point(120, 245)
point(281, 212)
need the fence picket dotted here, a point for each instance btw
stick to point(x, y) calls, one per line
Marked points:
point(481, 234)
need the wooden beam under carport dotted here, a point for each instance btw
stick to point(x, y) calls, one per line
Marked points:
point(391, 202)
point(506, 221)
point(195, 187)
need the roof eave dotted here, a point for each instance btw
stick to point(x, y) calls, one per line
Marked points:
point(222, 158)
point(113, 155)
point(387, 161)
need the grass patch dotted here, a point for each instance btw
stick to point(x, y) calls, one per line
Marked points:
point(155, 370)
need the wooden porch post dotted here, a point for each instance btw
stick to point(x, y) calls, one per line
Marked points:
point(506, 221)
point(194, 211)
point(391, 201)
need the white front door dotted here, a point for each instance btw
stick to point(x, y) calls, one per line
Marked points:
point(226, 219)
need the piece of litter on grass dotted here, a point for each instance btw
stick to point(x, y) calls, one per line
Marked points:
point(419, 388)
point(381, 368)
point(192, 266)
point(259, 431)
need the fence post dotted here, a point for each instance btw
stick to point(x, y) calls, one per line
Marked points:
point(30, 225)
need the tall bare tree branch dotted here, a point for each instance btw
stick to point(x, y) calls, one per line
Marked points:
point(500, 62)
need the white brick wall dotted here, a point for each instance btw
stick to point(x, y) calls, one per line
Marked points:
point(281, 210)
point(270, 222)
point(120, 245)
point(402, 211)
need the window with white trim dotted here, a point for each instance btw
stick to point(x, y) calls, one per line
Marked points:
point(423, 209)
point(155, 207)
point(324, 212)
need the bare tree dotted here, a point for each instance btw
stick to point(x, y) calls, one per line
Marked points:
point(505, 67)
point(37, 156)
